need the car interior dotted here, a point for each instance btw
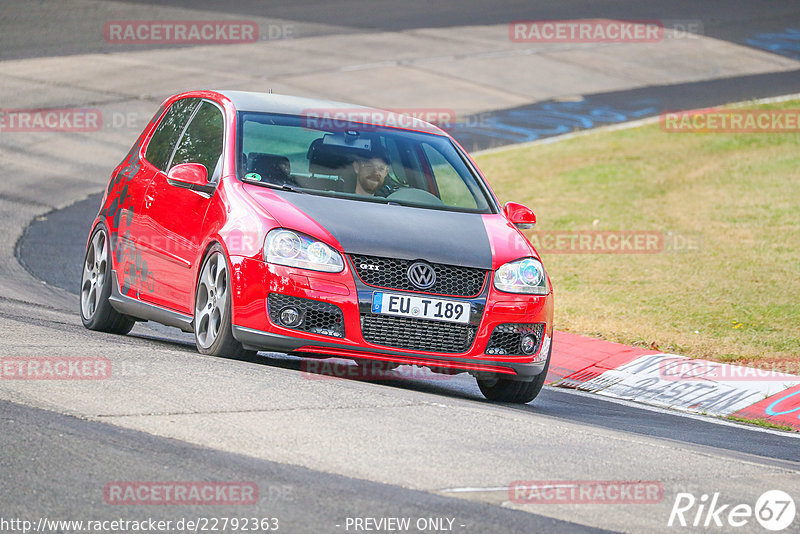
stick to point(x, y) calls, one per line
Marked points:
point(321, 162)
point(330, 167)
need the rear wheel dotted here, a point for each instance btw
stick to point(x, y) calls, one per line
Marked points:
point(96, 311)
point(500, 389)
point(213, 332)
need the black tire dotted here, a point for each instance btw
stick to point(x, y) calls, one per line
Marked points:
point(218, 326)
point(500, 389)
point(95, 309)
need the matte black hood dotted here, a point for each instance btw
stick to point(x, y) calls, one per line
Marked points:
point(394, 231)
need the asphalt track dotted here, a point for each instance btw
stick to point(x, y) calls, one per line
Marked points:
point(324, 450)
point(55, 484)
point(548, 118)
point(52, 250)
point(731, 20)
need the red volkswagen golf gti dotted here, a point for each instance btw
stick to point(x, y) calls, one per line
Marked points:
point(319, 229)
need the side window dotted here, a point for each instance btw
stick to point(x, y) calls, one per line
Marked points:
point(453, 190)
point(202, 140)
point(168, 131)
point(272, 139)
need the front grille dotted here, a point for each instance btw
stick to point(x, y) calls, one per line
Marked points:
point(316, 317)
point(417, 334)
point(391, 273)
point(506, 338)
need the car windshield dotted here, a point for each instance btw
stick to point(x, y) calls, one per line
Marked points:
point(357, 161)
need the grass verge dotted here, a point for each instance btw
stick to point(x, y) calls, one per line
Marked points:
point(733, 296)
point(765, 423)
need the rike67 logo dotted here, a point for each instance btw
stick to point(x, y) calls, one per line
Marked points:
point(774, 510)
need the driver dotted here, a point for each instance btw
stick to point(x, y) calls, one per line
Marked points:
point(371, 172)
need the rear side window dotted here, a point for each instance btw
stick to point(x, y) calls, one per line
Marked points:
point(161, 145)
point(202, 140)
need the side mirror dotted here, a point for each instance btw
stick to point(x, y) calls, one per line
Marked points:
point(190, 176)
point(519, 215)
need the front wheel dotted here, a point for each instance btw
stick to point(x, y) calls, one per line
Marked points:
point(500, 389)
point(213, 332)
point(96, 311)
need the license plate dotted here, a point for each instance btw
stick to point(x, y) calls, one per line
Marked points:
point(420, 307)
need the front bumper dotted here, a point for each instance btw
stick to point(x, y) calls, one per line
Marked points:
point(254, 280)
point(258, 340)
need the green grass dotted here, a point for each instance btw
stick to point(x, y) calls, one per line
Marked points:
point(736, 298)
point(765, 423)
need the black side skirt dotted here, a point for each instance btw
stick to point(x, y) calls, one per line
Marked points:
point(144, 311)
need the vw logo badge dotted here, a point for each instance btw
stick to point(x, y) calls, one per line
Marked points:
point(421, 275)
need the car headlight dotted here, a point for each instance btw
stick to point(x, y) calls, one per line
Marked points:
point(522, 276)
point(286, 247)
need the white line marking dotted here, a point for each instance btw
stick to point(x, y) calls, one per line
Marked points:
point(504, 488)
point(472, 490)
point(706, 418)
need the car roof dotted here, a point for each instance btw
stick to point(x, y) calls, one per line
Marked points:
point(295, 105)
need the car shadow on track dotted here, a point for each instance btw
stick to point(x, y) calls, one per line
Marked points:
point(555, 404)
point(406, 377)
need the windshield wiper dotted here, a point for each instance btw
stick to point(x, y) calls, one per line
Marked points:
point(282, 187)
